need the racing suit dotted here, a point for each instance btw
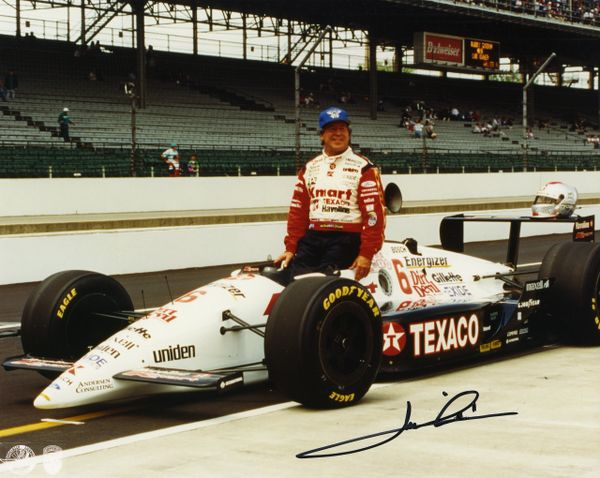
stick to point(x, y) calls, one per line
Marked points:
point(337, 213)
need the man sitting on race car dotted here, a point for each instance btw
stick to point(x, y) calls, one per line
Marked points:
point(555, 199)
point(337, 215)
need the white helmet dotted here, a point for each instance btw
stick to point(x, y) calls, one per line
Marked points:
point(555, 199)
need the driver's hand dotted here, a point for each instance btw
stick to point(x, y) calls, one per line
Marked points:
point(361, 267)
point(284, 259)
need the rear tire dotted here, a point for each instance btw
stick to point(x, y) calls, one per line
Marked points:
point(323, 342)
point(573, 300)
point(60, 316)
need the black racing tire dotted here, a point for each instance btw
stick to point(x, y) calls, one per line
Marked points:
point(60, 316)
point(323, 342)
point(573, 300)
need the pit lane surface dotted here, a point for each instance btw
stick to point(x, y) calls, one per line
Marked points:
point(21, 424)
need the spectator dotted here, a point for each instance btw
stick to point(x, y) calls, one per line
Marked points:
point(11, 83)
point(171, 157)
point(193, 168)
point(64, 120)
point(454, 114)
point(418, 129)
point(429, 130)
point(476, 128)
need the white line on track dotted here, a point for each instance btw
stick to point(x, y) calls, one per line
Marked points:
point(126, 440)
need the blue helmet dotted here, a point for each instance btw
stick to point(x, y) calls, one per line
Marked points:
point(331, 115)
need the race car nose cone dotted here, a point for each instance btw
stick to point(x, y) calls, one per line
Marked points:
point(43, 402)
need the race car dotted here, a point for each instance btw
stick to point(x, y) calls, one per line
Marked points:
point(321, 339)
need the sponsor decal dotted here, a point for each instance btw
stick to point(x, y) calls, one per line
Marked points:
point(140, 330)
point(178, 352)
point(109, 350)
point(65, 302)
point(347, 291)
point(529, 304)
point(235, 292)
point(337, 397)
point(372, 220)
point(512, 333)
point(394, 339)
point(523, 331)
point(368, 184)
point(96, 360)
point(427, 262)
point(94, 385)
point(332, 166)
point(537, 285)
point(271, 303)
point(332, 202)
point(191, 296)
point(422, 285)
point(399, 248)
point(493, 345)
point(372, 287)
point(73, 369)
point(350, 170)
point(163, 313)
point(511, 340)
point(444, 335)
point(457, 290)
point(331, 193)
point(446, 277)
point(338, 209)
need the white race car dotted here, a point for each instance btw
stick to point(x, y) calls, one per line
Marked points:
point(321, 339)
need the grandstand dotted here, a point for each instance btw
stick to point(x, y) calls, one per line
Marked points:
point(239, 117)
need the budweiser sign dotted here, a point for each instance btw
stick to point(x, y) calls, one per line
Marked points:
point(436, 48)
point(443, 49)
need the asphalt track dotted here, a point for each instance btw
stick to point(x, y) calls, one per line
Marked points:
point(22, 424)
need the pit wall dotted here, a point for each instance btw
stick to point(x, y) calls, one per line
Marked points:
point(35, 197)
point(27, 258)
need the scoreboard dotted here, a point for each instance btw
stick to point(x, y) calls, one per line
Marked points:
point(456, 52)
point(482, 54)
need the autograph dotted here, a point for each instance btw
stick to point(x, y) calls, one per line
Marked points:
point(444, 417)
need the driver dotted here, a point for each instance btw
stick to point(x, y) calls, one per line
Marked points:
point(337, 214)
point(555, 199)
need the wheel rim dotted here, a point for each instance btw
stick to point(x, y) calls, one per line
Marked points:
point(345, 344)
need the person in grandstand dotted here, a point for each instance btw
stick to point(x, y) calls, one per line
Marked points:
point(64, 121)
point(11, 83)
point(171, 157)
point(337, 215)
point(193, 168)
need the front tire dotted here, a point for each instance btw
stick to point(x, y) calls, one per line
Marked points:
point(60, 318)
point(323, 342)
point(573, 300)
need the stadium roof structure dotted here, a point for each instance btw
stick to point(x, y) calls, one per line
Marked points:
point(522, 36)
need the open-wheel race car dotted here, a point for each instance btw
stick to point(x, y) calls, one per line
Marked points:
point(321, 339)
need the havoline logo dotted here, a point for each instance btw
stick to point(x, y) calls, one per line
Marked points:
point(178, 352)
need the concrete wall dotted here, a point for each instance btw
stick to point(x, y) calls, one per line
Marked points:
point(25, 258)
point(32, 197)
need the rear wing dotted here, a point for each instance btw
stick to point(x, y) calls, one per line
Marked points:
point(452, 231)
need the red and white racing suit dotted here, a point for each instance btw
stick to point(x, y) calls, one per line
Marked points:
point(338, 193)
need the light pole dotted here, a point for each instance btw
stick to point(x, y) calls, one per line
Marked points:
point(131, 93)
